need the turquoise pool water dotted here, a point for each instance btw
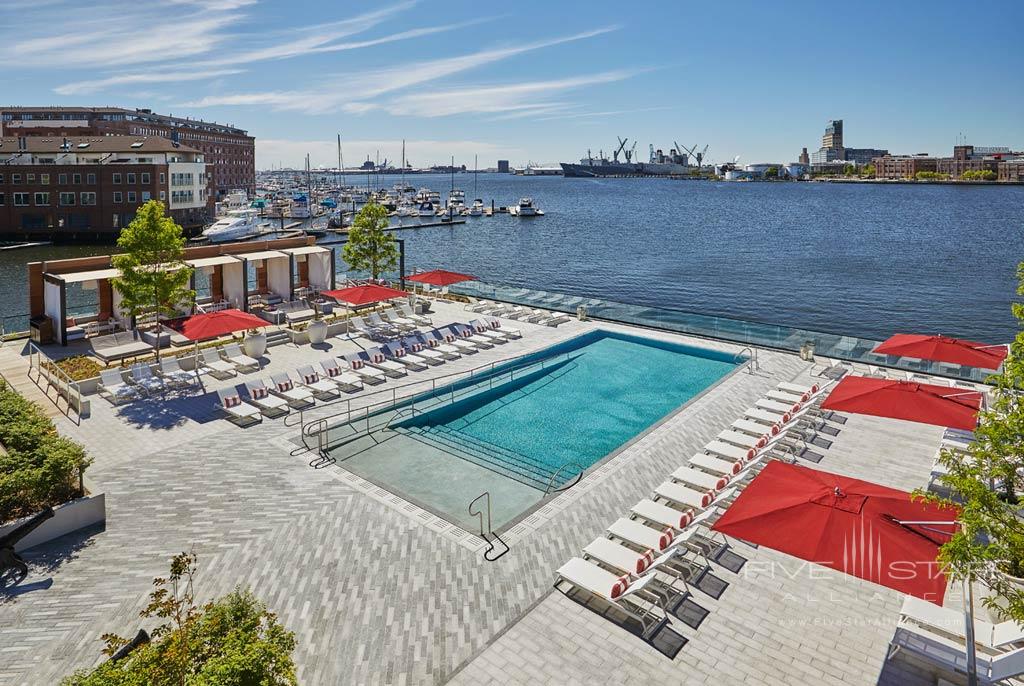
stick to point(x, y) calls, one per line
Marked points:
point(509, 432)
point(609, 388)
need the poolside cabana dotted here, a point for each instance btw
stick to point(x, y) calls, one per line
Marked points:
point(273, 278)
point(311, 269)
point(220, 270)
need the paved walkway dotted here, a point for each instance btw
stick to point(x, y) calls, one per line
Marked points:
point(14, 368)
point(378, 597)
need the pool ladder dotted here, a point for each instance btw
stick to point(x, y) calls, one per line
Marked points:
point(752, 365)
point(487, 533)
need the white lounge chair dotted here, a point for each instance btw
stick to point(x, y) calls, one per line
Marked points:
point(142, 376)
point(625, 560)
point(437, 344)
point(416, 346)
point(418, 319)
point(376, 358)
point(548, 318)
point(481, 305)
point(358, 367)
point(237, 410)
point(174, 375)
point(689, 497)
point(310, 379)
point(285, 387)
point(994, 636)
point(483, 329)
point(113, 385)
point(932, 646)
point(394, 318)
point(799, 389)
point(396, 352)
point(743, 440)
point(730, 451)
point(662, 514)
point(234, 355)
point(453, 340)
point(261, 397)
point(717, 465)
point(628, 596)
point(699, 480)
point(345, 380)
point(468, 335)
point(386, 328)
point(211, 362)
point(644, 537)
point(498, 327)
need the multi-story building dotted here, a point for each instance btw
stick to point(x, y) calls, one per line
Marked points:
point(503, 167)
point(228, 150)
point(833, 150)
point(1011, 170)
point(90, 187)
point(902, 166)
point(965, 159)
point(863, 156)
point(805, 159)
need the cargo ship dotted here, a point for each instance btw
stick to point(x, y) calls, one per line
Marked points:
point(658, 164)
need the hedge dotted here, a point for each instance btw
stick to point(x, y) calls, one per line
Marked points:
point(40, 468)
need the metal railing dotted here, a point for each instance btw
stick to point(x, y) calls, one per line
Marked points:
point(487, 533)
point(315, 433)
point(48, 373)
point(551, 481)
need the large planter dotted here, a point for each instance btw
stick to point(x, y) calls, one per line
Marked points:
point(71, 516)
point(255, 344)
point(1013, 580)
point(317, 331)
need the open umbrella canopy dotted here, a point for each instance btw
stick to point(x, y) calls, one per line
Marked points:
point(916, 402)
point(213, 324)
point(944, 349)
point(364, 295)
point(440, 277)
point(869, 531)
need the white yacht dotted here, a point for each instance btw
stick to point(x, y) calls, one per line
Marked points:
point(237, 225)
point(457, 200)
point(300, 206)
point(525, 208)
point(477, 210)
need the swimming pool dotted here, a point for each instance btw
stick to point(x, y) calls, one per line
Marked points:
point(536, 424)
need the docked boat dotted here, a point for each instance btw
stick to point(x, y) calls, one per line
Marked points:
point(300, 206)
point(457, 200)
point(237, 225)
point(477, 210)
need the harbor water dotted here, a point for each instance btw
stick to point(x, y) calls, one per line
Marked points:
point(857, 259)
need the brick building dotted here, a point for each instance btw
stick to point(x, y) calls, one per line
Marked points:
point(902, 166)
point(1011, 170)
point(91, 187)
point(228, 150)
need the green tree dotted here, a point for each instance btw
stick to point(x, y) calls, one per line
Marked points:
point(986, 484)
point(154, 278)
point(979, 175)
point(370, 248)
point(868, 171)
point(228, 642)
point(771, 173)
point(849, 170)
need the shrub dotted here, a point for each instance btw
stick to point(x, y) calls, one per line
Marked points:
point(40, 468)
point(80, 367)
point(979, 175)
point(231, 641)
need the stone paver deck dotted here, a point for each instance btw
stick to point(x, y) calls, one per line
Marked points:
point(376, 595)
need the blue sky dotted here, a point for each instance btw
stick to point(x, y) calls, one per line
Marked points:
point(531, 80)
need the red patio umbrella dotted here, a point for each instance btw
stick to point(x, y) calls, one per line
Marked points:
point(440, 277)
point(869, 531)
point(916, 402)
point(364, 295)
point(213, 324)
point(944, 349)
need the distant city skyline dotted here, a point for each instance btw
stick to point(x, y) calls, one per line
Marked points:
point(533, 81)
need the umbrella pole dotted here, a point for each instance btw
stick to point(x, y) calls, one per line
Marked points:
point(972, 656)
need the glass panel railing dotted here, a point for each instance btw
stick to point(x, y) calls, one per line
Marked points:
point(791, 339)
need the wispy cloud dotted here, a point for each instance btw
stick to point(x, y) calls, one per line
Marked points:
point(605, 113)
point(495, 99)
point(364, 87)
point(80, 87)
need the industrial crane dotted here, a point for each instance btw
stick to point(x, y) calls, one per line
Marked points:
point(622, 145)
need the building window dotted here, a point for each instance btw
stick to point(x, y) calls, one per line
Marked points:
point(30, 178)
point(15, 178)
point(163, 196)
point(67, 199)
point(21, 199)
point(145, 178)
point(146, 196)
point(163, 178)
point(116, 178)
point(131, 196)
point(88, 198)
point(90, 179)
point(44, 179)
point(62, 179)
point(131, 177)
point(1, 199)
point(117, 196)
point(76, 179)
point(42, 199)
